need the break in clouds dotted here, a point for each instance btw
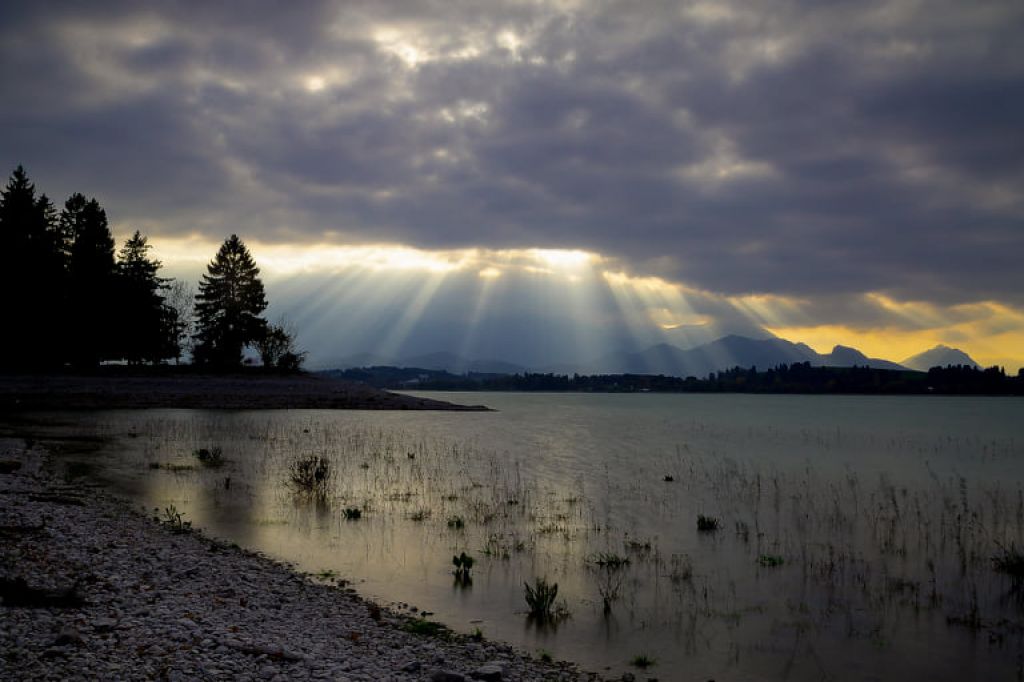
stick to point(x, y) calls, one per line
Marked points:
point(804, 149)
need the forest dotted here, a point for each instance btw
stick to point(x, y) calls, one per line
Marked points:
point(799, 377)
point(73, 300)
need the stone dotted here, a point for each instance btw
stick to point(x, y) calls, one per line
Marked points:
point(489, 672)
point(447, 676)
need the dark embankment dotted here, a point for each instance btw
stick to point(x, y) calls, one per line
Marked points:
point(120, 388)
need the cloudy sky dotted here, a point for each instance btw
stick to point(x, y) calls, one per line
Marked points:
point(535, 180)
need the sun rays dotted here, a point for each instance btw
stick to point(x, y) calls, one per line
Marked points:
point(396, 300)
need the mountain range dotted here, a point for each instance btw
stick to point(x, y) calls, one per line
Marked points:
point(724, 353)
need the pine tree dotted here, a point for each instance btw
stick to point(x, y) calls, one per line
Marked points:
point(91, 278)
point(31, 276)
point(148, 326)
point(228, 306)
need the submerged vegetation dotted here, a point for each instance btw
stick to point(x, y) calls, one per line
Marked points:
point(818, 554)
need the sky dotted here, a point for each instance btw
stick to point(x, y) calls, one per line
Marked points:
point(542, 181)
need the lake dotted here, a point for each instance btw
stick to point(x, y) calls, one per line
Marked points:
point(841, 537)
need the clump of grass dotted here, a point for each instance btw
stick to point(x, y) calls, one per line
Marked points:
point(545, 656)
point(611, 560)
point(541, 599)
point(463, 565)
point(420, 515)
point(212, 458)
point(311, 475)
point(642, 661)
point(770, 560)
point(707, 524)
point(426, 628)
point(477, 635)
point(174, 520)
point(456, 522)
point(352, 513)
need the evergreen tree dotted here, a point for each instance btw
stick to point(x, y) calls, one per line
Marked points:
point(31, 276)
point(91, 278)
point(148, 326)
point(228, 307)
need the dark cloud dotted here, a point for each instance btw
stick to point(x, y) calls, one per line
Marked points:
point(801, 148)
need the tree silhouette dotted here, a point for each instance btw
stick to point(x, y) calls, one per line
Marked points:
point(277, 348)
point(91, 278)
point(31, 276)
point(228, 306)
point(148, 326)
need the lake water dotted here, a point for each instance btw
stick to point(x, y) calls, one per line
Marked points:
point(855, 535)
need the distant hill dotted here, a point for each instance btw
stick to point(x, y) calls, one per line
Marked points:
point(449, 362)
point(716, 356)
point(940, 356)
point(722, 354)
point(844, 356)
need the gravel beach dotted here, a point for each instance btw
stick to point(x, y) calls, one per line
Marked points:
point(93, 588)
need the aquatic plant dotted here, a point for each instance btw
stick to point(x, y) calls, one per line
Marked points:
point(770, 560)
point(463, 565)
point(212, 458)
point(610, 574)
point(311, 475)
point(541, 599)
point(707, 524)
point(174, 520)
point(642, 661)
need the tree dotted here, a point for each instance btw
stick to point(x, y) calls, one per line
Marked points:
point(148, 329)
point(31, 276)
point(277, 348)
point(228, 307)
point(181, 297)
point(91, 274)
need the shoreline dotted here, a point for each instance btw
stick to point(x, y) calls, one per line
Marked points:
point(116, 390)
point(127, 597)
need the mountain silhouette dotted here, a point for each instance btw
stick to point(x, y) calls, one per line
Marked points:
point(940, 356)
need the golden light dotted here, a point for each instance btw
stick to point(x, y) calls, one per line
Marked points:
point(489, 272)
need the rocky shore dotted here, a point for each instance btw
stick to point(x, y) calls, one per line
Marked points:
point(92, 588)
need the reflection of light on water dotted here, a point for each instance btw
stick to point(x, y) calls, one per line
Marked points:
point(839, 492)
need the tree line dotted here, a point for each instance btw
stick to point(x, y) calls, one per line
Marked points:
point(71, 298)
point(801, 377)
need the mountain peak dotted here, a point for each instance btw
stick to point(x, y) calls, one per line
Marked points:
point(939, 356)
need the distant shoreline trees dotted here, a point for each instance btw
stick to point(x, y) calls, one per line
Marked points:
point(71, 300)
